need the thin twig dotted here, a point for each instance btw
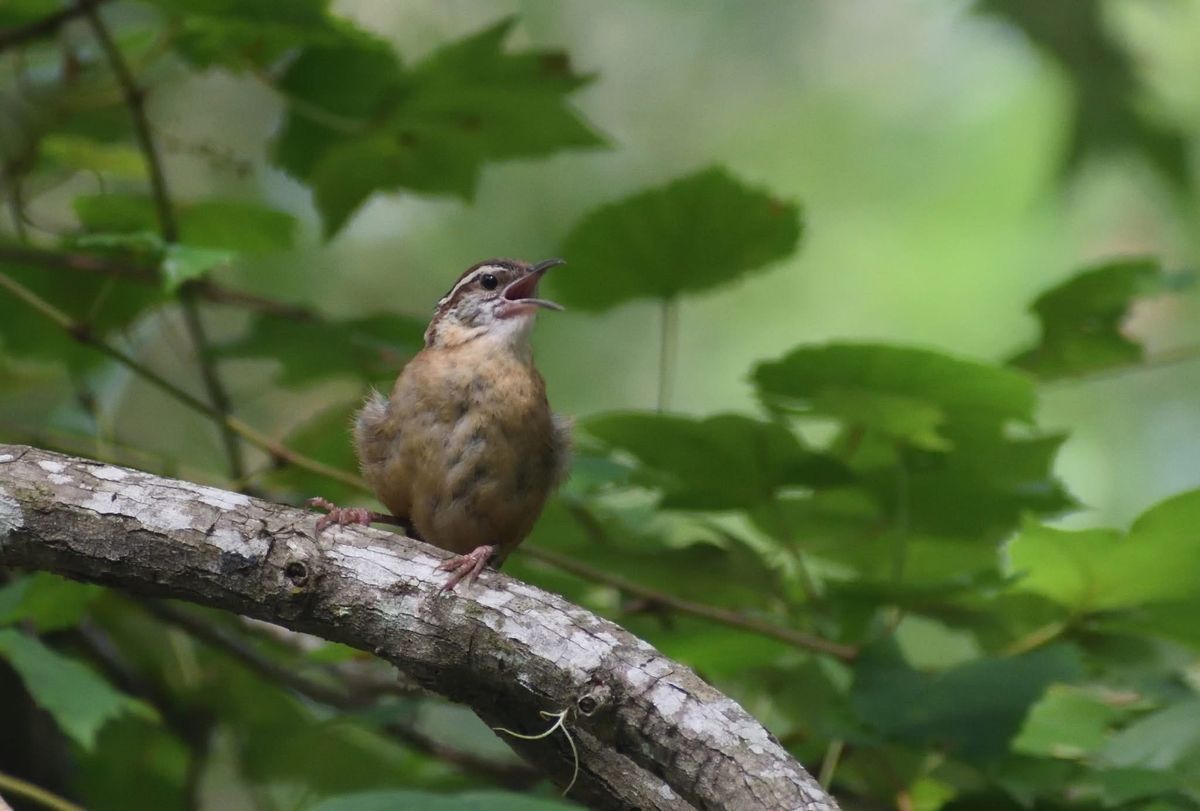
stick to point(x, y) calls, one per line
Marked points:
point(45, 27)
point(723, 616)
point(135, 100)
point(36, 794)
point(146, 274)
point(515, 775)
point(82, 334)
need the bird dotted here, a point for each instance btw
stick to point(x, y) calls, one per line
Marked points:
point(465, 450)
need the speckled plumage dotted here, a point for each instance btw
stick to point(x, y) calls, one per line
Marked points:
point(466, 448)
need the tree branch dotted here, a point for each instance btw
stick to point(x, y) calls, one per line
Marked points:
point(650, 733)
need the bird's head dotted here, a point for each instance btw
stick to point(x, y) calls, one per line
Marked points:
point(495, 299)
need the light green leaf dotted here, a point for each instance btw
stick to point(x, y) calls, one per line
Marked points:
point(1068, 722)
point(1159, 740)
point(906, 393)
point(693, 234)
point(79, 700)
point(1081, 319)
point(1158, 560)
point(183, 263)
point(230, 225)
point(718, 463)
point(427, 801)
point(119, 160)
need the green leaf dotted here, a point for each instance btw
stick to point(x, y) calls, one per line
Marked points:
point(50, 602)
point(240, 33)
point(974, 709)
point(693, 234)
point(79, 700)
point(309, 350)
point(130, 749)
point(718, 463)
point(359, 123)
point(1159, 740)
point(905, 393)
point(427, 801)
point(1068, 722)
point(1158, 560)
point(229, 225)
point(1081, 319)
point(183, 263)
point(119, 160)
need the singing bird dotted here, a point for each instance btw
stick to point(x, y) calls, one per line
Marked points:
point(466, 450)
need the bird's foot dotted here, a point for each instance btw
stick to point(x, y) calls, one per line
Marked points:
point(466, 566)
point(343, 515)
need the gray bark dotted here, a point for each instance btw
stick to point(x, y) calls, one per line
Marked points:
point(650, 733)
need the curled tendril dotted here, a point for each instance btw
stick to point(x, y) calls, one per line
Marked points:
point(559, 723)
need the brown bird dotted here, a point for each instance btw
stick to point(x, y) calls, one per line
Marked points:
point(466, 450)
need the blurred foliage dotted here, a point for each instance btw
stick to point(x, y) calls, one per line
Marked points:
point(898, 501)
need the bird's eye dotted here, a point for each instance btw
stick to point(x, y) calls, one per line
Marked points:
point(489, 281)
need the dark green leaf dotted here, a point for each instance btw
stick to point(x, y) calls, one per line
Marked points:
point(361, 124)
point(128, 749)
point(1082, 318)
point(50, 602)
point(79, 700)
point(426, 801)
point(905, 393)
point(241, 33)
point(369, 348)
point(693, 234)
point(1158, 560)
point(974, 709)
point(1109, 113)
point(105, 304)
point(722, 462)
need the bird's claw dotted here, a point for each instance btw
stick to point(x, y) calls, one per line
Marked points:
point(341, 516)
point(466, 566)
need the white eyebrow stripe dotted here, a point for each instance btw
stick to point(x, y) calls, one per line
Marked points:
point(470, 277)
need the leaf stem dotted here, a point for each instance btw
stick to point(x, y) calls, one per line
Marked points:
point(36, 794)
point(667, 346)
point(135, 100)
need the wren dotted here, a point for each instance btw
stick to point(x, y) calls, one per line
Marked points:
point(465, 451)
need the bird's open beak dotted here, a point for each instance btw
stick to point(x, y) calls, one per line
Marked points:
point(524, 289)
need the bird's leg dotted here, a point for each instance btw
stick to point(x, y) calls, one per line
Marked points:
point(466, 566)
point(353, 515)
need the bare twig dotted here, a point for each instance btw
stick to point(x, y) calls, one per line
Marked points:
point(723, 616)
point(82, 334)
point(47, 26)
point(135, 100)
